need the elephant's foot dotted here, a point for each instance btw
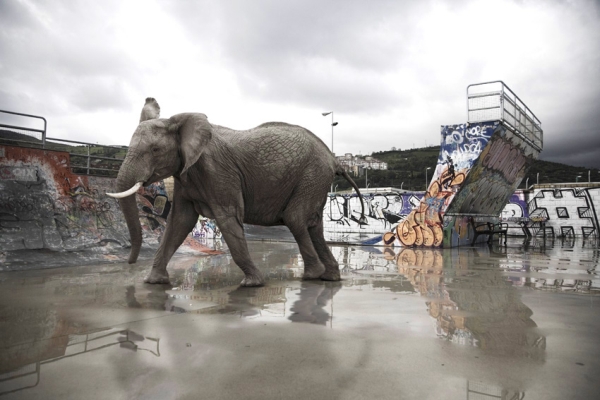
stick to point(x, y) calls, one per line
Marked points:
point(253, 280)
point(159, 277)
point(331, 275)
point(313, 272)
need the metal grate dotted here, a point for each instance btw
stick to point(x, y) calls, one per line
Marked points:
point(491, 101)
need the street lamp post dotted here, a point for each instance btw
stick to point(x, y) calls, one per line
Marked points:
point(428, 168)
point(332, 125)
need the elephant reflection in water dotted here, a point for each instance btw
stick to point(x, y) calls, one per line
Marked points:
point(313, 299)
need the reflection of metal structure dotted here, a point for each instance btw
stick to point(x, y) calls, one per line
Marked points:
point(494, 101)
point(481, 391)
point(89, 340)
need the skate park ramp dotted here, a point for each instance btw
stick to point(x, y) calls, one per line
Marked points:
point(480, 165)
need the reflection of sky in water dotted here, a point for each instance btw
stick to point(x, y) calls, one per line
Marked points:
point(469, 297)
point(469, 292)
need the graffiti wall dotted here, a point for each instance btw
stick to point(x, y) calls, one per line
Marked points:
point(493, 179)
point(43, 205)
point(557, 211)
point(206, 228)
point(461, 145)
point(478, 169)
point(383, 211)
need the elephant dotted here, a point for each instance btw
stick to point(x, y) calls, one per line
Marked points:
point(274, 174)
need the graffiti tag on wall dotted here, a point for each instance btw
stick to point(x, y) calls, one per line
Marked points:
point(44, 205)
point(21, 174)
point(560, 212)
point(461, 147)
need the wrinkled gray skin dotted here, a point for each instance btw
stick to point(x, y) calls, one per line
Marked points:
point(274, 174)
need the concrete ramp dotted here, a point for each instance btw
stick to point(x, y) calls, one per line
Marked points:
point(480, 165)
point(45, 206)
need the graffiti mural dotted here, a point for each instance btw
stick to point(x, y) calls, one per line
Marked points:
point(558, 211)
point(499, 169)
point(516, 214)
point(383, 211)
point(206, 228)
point(44, 205)
point(461, 146)
point(568, 212)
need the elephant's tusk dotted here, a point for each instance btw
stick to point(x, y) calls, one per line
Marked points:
point(126, 193)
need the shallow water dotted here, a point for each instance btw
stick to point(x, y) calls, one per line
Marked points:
point(467, 323)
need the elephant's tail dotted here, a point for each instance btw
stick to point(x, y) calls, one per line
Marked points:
point(342, 172)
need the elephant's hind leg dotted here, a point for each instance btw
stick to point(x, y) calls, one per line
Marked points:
point(313, 267)
point(332, 269)
point(180, 222)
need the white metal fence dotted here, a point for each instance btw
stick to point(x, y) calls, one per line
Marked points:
point(494, 101)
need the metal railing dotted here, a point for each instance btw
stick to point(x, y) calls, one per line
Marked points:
point(28, 131)
point(494, 101)
point(76, 347)
point(90, 158)
point(86, 158)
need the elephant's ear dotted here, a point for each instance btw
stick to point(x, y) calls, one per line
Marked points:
point(194, 133)
point(151, 110)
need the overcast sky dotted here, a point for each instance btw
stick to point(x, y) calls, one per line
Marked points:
point(392, 71)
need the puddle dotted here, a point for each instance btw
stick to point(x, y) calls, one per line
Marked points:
point(486, 303)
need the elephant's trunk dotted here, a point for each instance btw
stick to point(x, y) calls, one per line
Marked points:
point(126, 184)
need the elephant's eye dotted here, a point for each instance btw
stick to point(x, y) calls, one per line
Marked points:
point(155, 150)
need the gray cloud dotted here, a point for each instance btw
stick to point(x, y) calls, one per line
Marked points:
point(62, 58)
point(286, 51)
point(377, 64)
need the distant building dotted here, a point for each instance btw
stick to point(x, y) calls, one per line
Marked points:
point(355, 164)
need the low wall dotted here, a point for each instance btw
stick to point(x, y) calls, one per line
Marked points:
point(559, 211)
point(43, 205)
point(383, 212)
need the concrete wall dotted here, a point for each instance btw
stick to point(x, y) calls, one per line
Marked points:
point(382, 210)
point(43, 205)
point(567, 211)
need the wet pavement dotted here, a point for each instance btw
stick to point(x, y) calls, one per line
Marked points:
point(513, 322)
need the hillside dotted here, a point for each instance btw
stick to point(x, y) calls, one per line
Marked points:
point(406, 169)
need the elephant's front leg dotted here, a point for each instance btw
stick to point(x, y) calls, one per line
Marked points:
point(232, 229)
point(180, 222)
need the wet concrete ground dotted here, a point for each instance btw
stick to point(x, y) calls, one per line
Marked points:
point(513, 322)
